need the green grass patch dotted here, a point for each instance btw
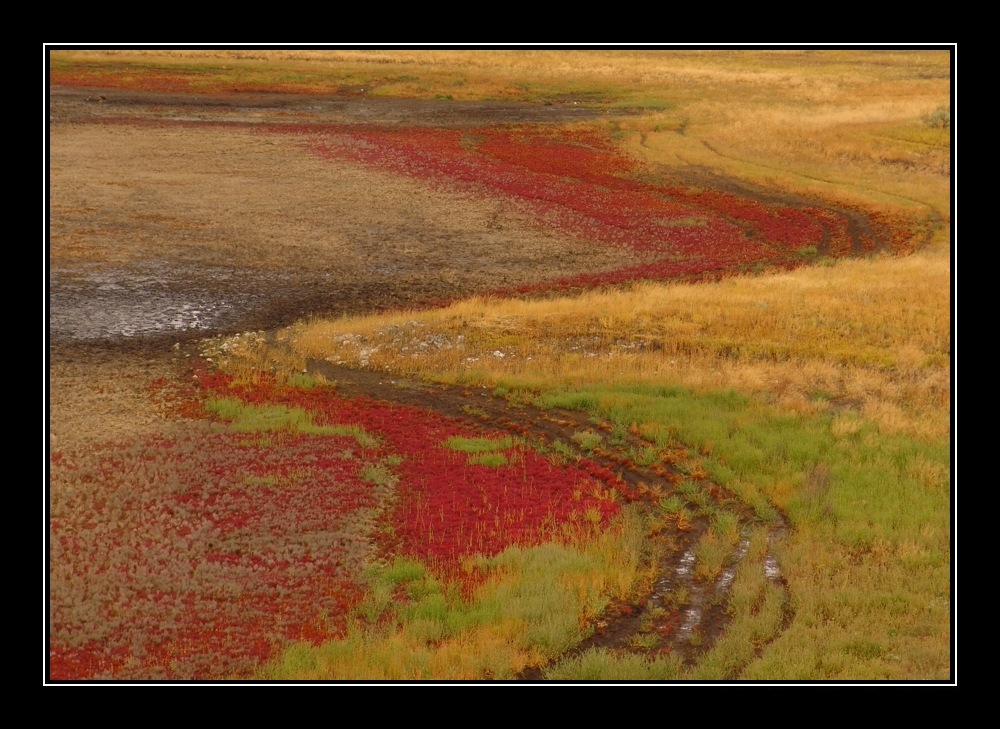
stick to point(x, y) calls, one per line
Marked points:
point(870, 513)
point(304, 381)
point(479, 445)
point(482, 451)
point(646, 456)
point(757, 609)
point(588, 440)
point(605, 665)
point(379, 474)
point(494, 460)
point(246, 418)
point(563, 450)
point(697, 497)
point(671, 504)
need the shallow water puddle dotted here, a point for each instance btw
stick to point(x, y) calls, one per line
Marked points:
point(150, 300)
point(725, 580)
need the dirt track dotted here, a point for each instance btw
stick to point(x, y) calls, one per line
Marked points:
point(651, 620)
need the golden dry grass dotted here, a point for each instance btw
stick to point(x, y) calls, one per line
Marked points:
point(871, 336)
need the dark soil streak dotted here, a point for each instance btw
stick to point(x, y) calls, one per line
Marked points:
point(81, 104)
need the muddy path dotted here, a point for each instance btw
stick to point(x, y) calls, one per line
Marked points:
point(673, 612)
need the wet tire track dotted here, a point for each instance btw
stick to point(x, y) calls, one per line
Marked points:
point(673, 612)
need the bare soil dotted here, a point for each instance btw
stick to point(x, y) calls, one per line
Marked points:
point(189, 229)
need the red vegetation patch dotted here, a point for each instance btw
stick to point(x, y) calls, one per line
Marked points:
point(679, 224)
point(578, 182)
point(112, 78)
point(194, 557)
point(448, 508)
point(201, 555)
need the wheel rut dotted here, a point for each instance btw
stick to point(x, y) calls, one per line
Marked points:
point(673, 611)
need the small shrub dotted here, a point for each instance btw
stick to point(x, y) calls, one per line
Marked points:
point(671, 504)
point(644, 641)
point(645, 457)
point(697, 497)
point(588, 440)
point(563, 450)
point(940, 118)
point(619, 435)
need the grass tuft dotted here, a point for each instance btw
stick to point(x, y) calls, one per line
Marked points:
point(479, 445)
